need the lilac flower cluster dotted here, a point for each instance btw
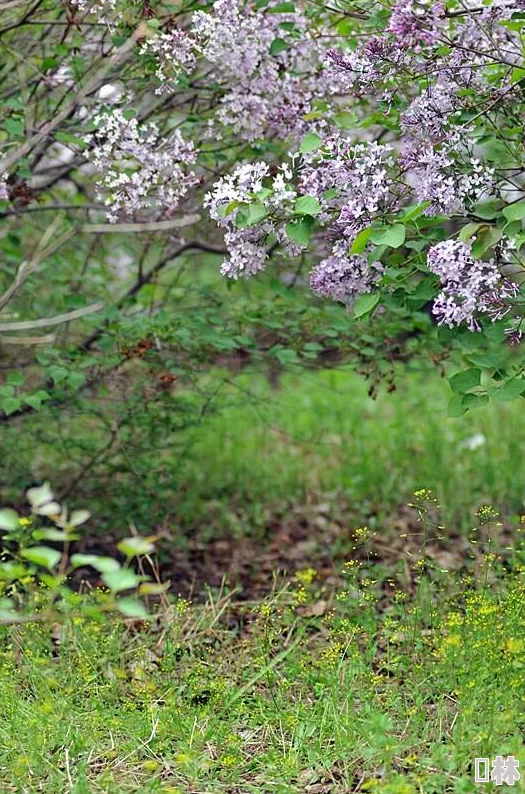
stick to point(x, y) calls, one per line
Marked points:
point(137, 166)
point(436, 179)
point(174, 53)
point(430, 115)
point(416, 22)
point(99, 7)
point(246, 247)
point(469, 286)
point(355, 176)
point(267, 65)
point(343, 277)
point(361, 70)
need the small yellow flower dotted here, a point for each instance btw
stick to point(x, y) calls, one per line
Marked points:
point(514, 646)
point(306, 576)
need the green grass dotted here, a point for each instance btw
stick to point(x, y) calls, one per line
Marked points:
point(389, 678)
point(310, 692)
point(321, 437)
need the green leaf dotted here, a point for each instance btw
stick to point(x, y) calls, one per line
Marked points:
point(76, 379)
point(8, 519)
point(123, 579)
point(11, 404)
point(391, 236)
point(132, 608)
point(256, 212)
point(40, 495)
point(229, 208)
point(57, 373)
point(33, 400)
point(42, 555)
point(485, 239)
point(153, 588)
point(456, 407)
point(277, 46)
point(282, 8)
point(14, 126)
point(16, 378)
point(52, 534)
point(300, 231)
point(78, 517)
point(101, 564)
point(413, 211)
point(365, 304)
point(307, 205)
point(463, 381)
point(346, 120)
point(515, 212)
point(287, 356)
point(512, 389)
point(49, 509)
point(359, 244)
point(475, 400)
point(132, 547)
point(488, 210)
point(468, 231)
point(310, 143)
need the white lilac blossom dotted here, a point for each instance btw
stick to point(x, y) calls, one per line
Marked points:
point(246, 247)
point(469, 286)
point(247, 252)
point(342, 277)
point(137, 166)
point(174, 54)
point(99, 7)
point(372, 62)
point(4, 192)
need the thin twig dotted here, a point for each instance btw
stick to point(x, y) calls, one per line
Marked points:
point(45, 322)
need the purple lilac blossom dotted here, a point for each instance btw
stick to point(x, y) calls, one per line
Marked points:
point(416, 22)
point(343, 277)
point(469, 286)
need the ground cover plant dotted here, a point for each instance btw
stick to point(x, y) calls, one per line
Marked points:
point(393, 681)
point(261, 372)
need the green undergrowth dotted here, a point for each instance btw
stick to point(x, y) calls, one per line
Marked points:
point(320, 434)
point(393, 682)
point(258, 450)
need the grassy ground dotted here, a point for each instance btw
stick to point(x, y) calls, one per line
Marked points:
point(378, 687)
point(321, 434)
point(391, 677)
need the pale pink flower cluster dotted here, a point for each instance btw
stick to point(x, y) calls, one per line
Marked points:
point(429, 115)
point(99, 7)
point(247, 247)
point(436, 178)
point(137, 166)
